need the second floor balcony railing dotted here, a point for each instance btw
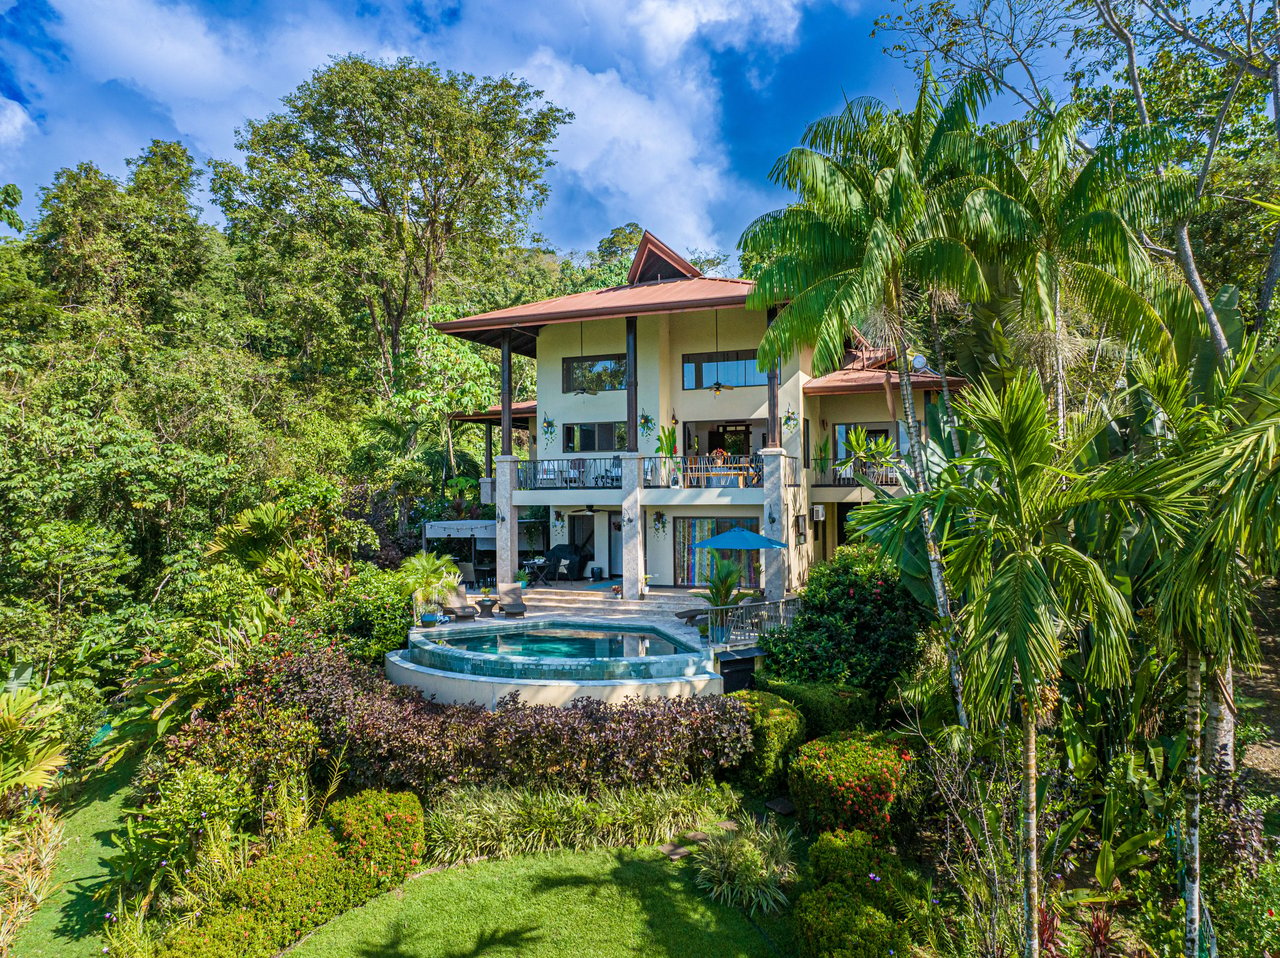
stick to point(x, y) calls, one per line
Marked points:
point(703, 472)
point(847, 474)
point(578, 473)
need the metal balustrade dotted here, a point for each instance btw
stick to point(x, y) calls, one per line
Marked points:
point(847, 475)
point(745, 624)
point(703, 472)
point(578, 473)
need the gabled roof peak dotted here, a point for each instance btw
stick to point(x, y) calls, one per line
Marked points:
point(655, 260)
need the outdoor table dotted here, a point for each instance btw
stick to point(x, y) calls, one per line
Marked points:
point(486, 604)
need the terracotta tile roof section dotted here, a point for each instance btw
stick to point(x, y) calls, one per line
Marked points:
point(527, 409)
point(855, 379)
point(669, 295)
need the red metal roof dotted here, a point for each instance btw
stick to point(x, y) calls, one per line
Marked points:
point(852, 380)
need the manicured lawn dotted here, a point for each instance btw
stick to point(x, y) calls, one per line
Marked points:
point(67, 925)
point(605, 904)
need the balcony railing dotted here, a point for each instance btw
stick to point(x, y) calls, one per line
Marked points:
point(847, 475)
point(703, 472)
point(579, 473)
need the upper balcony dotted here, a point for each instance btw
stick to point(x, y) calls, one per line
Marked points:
point(703, 472)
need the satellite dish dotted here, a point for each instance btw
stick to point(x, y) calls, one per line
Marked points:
point(918, 363)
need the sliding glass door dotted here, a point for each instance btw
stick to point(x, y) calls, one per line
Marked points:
point(693, 566)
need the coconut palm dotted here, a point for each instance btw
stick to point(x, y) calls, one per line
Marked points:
point(1013, 511)
point(867, 237)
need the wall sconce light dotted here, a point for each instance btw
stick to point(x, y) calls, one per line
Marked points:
point(674, 420)
point(500, 517)
point(772, 518)
point(627, 518)
point(824, 424)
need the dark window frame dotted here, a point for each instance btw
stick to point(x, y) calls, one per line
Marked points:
point(699, 361)
point(572, 430)
point(568, 363)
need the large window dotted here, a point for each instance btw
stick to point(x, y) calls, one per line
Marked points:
point(693, 566)
point(595, 373)
point(842, 437)
point(734, 367)
point(595, 436)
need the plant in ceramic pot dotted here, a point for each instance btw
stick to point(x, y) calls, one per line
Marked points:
point(428, 578)
point(722, 593)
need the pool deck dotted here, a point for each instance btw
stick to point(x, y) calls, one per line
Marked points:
point(606, 621)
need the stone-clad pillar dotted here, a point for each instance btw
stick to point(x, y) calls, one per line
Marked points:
point(774, 561)
point(632, 526)
point(508, 524)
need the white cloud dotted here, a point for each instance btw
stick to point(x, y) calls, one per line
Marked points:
point(639, 157)
point(667, 27)
point(15, 124)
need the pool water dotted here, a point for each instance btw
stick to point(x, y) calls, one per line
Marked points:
point(565, 643)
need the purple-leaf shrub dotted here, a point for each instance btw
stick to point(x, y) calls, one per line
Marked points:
point(394, 738)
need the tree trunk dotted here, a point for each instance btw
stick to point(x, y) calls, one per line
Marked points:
point(1191, 852)
point(1030, 827)
point(947, 415)
point(942, 597)
point(1220, 728)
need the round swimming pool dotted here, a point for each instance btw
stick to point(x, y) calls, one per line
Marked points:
point(552, 661)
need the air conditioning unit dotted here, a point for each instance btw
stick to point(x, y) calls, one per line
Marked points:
point(676, 480)
point(818, 513)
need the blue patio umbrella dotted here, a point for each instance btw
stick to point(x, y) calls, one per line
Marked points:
point(738, 539)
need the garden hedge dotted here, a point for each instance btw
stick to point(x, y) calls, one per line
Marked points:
point(826, 707)
point(306, 881)
point(395, 739)
point(777, 730)
point(848, 780)
point(831, 923)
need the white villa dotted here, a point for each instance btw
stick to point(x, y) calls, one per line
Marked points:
point(674, 348)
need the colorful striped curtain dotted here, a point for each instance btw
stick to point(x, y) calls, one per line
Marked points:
point(693, 566)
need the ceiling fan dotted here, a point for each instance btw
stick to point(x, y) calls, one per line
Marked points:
point(584, 511)
point(718, 387)
point(582, 353)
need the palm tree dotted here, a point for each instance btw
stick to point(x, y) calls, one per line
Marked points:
point(1221, 410)
point(1058, 222)
point(1012, 512)
point(867, 237)
point(428, 578)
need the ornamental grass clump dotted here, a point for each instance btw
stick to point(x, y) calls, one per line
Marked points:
point(749, 868)
point(848, 780)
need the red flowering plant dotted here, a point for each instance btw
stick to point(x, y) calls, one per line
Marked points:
point(848, 780)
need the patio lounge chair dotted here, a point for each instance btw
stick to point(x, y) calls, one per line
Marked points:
point(511, 600)
point(459, 607)
point(693, 617)
point(468, 572)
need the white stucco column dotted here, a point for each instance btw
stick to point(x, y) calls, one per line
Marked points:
point(774, 561)
point(632, 525)
point(508, 524)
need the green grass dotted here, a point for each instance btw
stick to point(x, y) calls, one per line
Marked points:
point(67, 925)
point(606, 904)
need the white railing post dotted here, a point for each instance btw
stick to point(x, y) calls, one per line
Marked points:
point(632, 525)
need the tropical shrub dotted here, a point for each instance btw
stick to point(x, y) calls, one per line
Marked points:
point(826, 707)
point(28, 851)
point(380, 833)
point(777, 730)
point(499, 823)
point(856, 625)
point(848, 780)
point(368, 616)
point(254, 737)
point(831, 923)
point(394, 739)
point(274, 902)
point(747, 868)
point(160, 837)
point(30, 754)
point(1248, 917)
point(859, 863)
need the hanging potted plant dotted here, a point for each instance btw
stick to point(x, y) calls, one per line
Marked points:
point(429, 578)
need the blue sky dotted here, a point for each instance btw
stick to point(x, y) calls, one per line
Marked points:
point(681, 105)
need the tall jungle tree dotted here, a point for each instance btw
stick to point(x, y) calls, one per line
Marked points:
point(380, 181)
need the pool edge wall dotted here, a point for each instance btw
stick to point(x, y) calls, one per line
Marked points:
point(455, 687)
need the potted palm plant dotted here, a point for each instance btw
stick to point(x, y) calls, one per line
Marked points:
point(429, 578)
point(722, 593)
